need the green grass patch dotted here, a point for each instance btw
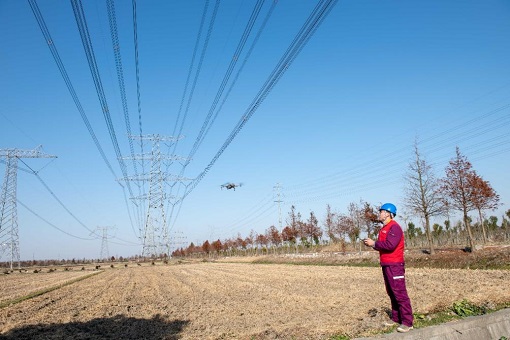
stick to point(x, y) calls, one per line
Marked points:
point(339, 337)
point(459, 310)
point(44, 291)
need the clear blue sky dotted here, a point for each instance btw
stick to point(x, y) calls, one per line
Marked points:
point(337, 127)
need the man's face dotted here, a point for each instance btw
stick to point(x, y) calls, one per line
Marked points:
point(383, 215)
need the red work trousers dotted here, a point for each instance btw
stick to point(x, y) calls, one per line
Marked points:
point(395, 282)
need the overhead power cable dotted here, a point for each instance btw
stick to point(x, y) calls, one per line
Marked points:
point(252, 211)
point(230, 69)
point(369, 175)
point(208, 122)
point(320, 12)
point(342, 183)
point(268, 211)
point(112, 19)
point(51, 44)
point(440, 140)
point(56, 198)
point(139, 103)
point(313, 22)
point(137, 68)
point(94, 70)
point(63, 72)
point(52, 225)
point(188, 78)
point(17, 167)
point(195, 80)
point(241, 68)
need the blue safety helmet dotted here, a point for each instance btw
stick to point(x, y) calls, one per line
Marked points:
point(390, 208)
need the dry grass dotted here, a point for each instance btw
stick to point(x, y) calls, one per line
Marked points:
point(490, 257)
point(216, 300)
point(17, 285)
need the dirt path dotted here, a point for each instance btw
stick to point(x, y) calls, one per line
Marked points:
point(236, 301)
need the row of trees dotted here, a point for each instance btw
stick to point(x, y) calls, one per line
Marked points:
point(426, 196)
point(462, 189)
point(273, 241)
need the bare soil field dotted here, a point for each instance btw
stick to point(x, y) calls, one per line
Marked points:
point(226, 300)
point(15, 286)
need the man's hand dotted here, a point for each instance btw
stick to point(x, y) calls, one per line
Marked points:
point(369, 242)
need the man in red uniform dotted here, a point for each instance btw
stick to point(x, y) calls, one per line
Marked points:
point(390, 245)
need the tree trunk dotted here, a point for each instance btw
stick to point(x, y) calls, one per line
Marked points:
point(470, 234)
point(429, 236)
point(484, 233)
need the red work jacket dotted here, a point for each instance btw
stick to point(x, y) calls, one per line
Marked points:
point(390, 244)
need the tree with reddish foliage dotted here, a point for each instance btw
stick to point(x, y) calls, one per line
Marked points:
point(370, 218)
point(206, 247)
point(485, 198)
point(458, 190)
point(241, 243)
point(192, 249)
point(294, 223)
point(311, 229)
point(178, 253)
point(217, 246)
point(274, 237)
point(262, 241)
point(289, 235)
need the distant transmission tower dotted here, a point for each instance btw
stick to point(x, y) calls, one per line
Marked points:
point(104, 243)
point(155, 233)
point(177, 241)
point(9, 237)
point(279, 201)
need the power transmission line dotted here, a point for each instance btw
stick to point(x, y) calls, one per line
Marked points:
point(313, 22)
point(81, 22)
point(53, 49)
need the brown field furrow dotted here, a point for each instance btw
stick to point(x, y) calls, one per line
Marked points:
point(236, 301)
point(17, 285)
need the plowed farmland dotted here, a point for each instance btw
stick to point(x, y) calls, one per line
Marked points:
point(212, 300)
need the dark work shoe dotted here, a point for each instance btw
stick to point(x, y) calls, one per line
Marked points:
point(404, 328)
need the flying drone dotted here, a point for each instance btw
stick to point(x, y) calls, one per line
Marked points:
point(231, 185)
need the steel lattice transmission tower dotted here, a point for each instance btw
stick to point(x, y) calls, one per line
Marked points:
point(9, 237)
point(155, 232)
point(104, 255)
point(278, 188)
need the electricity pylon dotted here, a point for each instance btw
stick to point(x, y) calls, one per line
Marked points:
point(104, 255)
point(177, 241)
point(9, 237)
point(155, 233)
point(279, 201)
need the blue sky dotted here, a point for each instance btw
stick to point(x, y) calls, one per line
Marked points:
point(337, 127)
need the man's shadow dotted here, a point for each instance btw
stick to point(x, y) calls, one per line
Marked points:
point(117, 327)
